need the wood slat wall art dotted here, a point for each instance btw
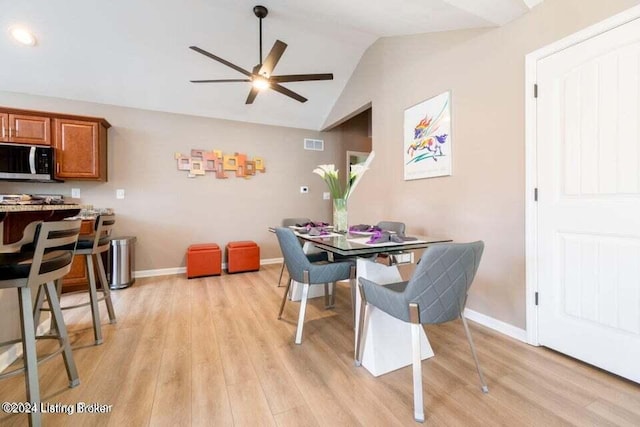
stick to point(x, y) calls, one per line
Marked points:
point(201, 161)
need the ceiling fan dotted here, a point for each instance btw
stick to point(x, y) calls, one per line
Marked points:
point(260, 77)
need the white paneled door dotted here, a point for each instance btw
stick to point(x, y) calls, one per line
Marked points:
point(588, 169)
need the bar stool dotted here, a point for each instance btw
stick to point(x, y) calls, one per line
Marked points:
point(92, 250)
point(48, 262)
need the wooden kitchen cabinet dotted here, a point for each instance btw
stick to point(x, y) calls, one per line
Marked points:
point(25, 129)
point(79, 142)
point(4, 127)
point(81, 149)
point(78, 278)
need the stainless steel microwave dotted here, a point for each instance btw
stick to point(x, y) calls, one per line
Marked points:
point(22, 162)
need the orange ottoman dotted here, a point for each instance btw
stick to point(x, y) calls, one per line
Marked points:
point(204, 259)
point(243, 256)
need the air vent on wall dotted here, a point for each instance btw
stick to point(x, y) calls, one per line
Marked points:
point(314, 144)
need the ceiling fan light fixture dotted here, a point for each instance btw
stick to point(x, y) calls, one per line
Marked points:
point(22, 35)
point(261, 83)
point(261, 77)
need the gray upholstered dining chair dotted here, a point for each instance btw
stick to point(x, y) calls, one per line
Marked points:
point(314, 256)
point(436, 293)
point(397, 227)
point(307, 273)
point(49, 261)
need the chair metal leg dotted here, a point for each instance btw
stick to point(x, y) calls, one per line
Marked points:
point(281, 272)
point(105, 289)
point(37, 308)
point(284, 298)
point(327, 304)
point(483, 384)
point(56, 314)
point(303, 309)
point(332, 301)
point(418, 402)
point(329, 295)
point(29, 354)
point(363, 324)
point(37, 311)
point(352, 285)
point(58, 287)
point(93, 296)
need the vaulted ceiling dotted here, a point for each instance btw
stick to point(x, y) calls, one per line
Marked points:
point(135, 53)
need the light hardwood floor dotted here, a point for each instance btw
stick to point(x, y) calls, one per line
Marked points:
point(211, 351)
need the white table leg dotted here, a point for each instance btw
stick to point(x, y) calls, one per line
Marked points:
point(388, 341)
point(295, 292)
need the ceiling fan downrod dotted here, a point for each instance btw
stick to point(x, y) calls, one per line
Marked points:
point(261, 12)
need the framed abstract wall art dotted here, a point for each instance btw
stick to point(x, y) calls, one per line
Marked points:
point(427, 138)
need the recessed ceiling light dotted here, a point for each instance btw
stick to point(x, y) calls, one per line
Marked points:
point(23, 36)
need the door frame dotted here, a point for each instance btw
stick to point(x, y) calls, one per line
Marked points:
point(531, 172)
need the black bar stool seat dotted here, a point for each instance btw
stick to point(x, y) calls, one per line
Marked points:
point(18, 265)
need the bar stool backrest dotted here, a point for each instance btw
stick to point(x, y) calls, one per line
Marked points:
point(52, 239)
point(102, 238)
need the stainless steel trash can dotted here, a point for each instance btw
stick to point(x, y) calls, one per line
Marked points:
point(122, 262)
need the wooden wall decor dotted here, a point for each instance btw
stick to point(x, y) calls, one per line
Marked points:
point(202, 161)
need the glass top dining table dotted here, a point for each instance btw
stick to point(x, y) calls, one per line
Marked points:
point(393, 348)
point(353, 245)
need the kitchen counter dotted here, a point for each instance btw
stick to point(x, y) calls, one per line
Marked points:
point(18, 222)
point(32, 208)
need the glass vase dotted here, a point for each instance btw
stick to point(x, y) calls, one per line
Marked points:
point(340, 215)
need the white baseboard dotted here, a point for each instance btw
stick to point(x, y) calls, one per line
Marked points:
point(14, 351)
point(159, 272)
point(182, 270)
point(496, 325)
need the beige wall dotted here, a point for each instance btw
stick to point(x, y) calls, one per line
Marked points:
point(168, 211)
point(484, 199)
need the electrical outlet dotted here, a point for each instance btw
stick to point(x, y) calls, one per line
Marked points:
point(304, 189)
point(326, 195)
point(75, 193)
point(120, 193)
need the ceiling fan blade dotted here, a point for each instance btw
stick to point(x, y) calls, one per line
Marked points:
point(283, 90)
point(220, 81)
point(301, 77)
point(272, 58)
point(252, 95)
point(223, 61)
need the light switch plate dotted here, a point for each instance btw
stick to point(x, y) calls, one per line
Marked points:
point(120, 193)
point(326, 195)
point(75, 193)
